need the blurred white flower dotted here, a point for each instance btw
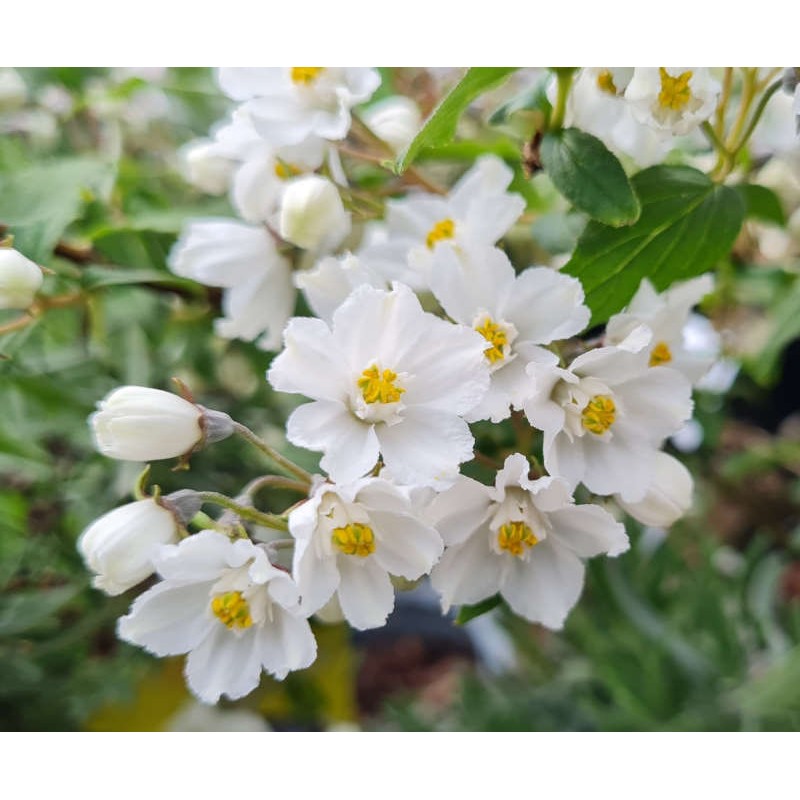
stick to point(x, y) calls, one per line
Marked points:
point(396, 120)
point(312, 214)
point(20, 279)
point(13, 92)
point(224, 604)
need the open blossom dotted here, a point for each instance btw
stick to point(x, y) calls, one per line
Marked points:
point(225, 605)
point(289, 104)
point(605, 416)
point(672, 100)
point(522, 538)
point(666, 315)
point(386, 378)
point(349, 539)
point(259, 295)
point(20, 279)
point(475, 214)
point(514, 314)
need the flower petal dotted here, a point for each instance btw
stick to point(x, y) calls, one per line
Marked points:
point(365, 592)
point(589, 530)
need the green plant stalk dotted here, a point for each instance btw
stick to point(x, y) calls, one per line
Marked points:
point(284, 463)
point(245, 512)
point(564, 79)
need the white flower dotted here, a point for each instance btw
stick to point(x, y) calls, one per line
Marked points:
point(331, 281)
point(225, 605)
point(667, 315)
point(522, 538)
point(475, 214)
point(119, 545)
point(396, 120)
point(242, 259)
point(350, 539)
point(386, 378)
point(205, 168)
point(514, 313)
point(20, 279)
point(606, 415)
point(312, 214)
point(597, 105)
point(672, 100)
point(136, 423)
point(668, 497)
point(289, 104)
point(13, 92)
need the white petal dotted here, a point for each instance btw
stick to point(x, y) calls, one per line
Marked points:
point(286, 644)
point(621, 465)
point(589, 530)
point(365, 592)
point(405, 546)
point(201, 557)
point(317, 578)
point(459, 510)
point(668, 497)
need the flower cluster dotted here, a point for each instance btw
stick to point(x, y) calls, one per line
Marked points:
point(426, 328)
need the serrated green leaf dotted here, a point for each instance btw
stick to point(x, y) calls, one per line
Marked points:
point(466, 613)
point(761, 203)
point(687, 224)
point(589, 175)
point(39, 202)
point(440, 127)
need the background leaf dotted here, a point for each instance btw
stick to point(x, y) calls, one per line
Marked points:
point(761, 203)
point(687, 224)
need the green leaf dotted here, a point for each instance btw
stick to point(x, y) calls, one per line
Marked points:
point(687, 224)
point(533, 98)
point(585, 171)
point(440, 127)
point(96, 277)
point(761, 203)
point(22, 611)
point(466, 613)
point(39, 202)
point(557, 232)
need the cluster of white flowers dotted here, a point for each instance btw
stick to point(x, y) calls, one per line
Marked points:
point(392, 390)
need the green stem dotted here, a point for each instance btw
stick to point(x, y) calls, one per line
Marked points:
point(716, 142)
point(762, 104)
point(246, 512)
point(283, 462)
point(564, 78)
point(276, 482)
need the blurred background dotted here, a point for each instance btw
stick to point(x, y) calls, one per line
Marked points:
point(697, 628)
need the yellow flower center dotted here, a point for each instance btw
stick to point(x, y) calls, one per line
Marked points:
point(497, 338)
point(285, 171)
point(305, 75)
point(354, 539)
point(605, 82)
point(379, 386)
point(443, 229)
point(599, 414)
point(675, 92)
point(660, 354)
point(232, 610)
point(516, 538)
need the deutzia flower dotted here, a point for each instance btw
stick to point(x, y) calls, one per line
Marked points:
point(666, 315)
point(225, 605)
point(312, 214)
point(20, 279)
point(672, 100)
point(668, 497)
point(289, 104)
point(606, 415)
point(514, 313)
point(522, 538)
point(386, 378)
point(137, 423)
point(259, 295)
point(350, 539)
point(395, 120)
point(475, 214)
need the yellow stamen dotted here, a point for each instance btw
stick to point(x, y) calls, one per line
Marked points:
point(354, 539)
point(232, 610)
point(660, 354)
point(379, 387)
point(443, 229)
point(515, 538)
point(675, 92)
point(605, 82)
point(599, 414)
point(497, 338)
point(285, 171)
point(305, 75)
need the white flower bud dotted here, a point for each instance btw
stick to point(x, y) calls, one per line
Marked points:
point(13, 92)
point(136, 423)
point(396, 120)
point(20, 279)
point(669, 496)
point(117, 547)
point(205, 168)
point(312, 214)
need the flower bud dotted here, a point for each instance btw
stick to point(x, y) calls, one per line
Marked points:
point(312, 214)
point(396, 120)
point(20, 279)
point(205, 168)
point(117, 547)
point(669, 496)
point(136, 423)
